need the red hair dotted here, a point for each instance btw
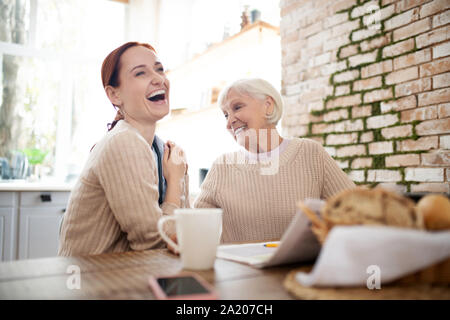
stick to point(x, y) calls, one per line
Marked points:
point(111, 69)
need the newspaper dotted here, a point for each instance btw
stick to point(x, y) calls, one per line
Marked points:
point(298, 244)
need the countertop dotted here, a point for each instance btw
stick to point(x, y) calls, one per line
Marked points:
point(23, 185)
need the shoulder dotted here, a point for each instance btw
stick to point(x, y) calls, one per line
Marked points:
point(122, 142)
point(226, 163)
point(306, 146)
point(221, 161)
point(306, 142)
point(125, 137)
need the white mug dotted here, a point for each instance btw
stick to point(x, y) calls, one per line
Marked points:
point(198, 235)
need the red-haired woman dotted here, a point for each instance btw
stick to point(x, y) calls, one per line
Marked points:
point(122, 190)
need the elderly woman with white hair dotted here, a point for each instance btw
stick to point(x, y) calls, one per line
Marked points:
point(258, 186)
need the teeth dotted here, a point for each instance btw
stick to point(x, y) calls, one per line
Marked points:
point(155, 93)
point(239, 130)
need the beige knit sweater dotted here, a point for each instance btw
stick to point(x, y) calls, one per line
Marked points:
point(114, 206)
point(258, 203)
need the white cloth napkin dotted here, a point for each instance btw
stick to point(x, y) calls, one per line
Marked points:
point(350, 255)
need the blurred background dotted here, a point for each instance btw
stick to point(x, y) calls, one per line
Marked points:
point(53, 107)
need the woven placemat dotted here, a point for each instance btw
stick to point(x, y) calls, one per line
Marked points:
point(387, 292)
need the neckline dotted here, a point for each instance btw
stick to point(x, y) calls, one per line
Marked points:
point(269, 155)
point(240, 161)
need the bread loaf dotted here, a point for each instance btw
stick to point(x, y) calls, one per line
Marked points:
point(361, 206)
point(376, 206)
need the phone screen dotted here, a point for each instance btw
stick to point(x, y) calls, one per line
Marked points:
point(181, 286)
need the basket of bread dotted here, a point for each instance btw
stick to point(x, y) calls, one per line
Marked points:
point(407, 242)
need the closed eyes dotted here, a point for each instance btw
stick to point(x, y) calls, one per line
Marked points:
point(235, 107)
point(159, 69)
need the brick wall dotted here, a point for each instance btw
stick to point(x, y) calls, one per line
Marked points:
point(370, 81)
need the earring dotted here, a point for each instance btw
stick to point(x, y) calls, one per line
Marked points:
point(118, 110)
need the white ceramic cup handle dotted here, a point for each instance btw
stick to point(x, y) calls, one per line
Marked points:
point(161, 222)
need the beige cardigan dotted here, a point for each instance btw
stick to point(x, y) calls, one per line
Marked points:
point(114, 205)
point(258, 204)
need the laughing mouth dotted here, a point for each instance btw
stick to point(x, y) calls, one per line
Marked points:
point(239, 130)
point(157, 95)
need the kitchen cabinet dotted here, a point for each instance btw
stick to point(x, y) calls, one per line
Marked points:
point(30, 219)
point(40, 217)
point(8, 223)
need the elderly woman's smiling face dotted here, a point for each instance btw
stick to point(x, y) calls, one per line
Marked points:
point(246, 115)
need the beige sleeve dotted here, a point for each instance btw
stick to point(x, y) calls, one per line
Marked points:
point(334, 179)
point(127, 172)
point(185, 202)
point(207, 197)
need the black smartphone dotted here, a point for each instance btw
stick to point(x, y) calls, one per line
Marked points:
point(184, 286)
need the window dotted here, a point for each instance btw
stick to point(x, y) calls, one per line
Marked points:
point(53, 107)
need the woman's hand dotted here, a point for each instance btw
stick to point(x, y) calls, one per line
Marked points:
point(172, 249)
point(174, 169)
point(174, 162)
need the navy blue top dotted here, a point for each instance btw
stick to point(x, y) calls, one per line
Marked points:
point(158, 152)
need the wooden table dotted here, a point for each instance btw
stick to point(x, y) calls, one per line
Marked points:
point(125, 276)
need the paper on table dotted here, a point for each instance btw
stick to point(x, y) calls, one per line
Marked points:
point(349, 251)
point(298, 244)
point(250, 253)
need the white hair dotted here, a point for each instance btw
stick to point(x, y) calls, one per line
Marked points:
point(258, 89)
